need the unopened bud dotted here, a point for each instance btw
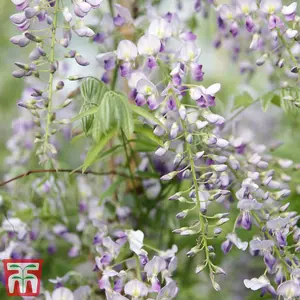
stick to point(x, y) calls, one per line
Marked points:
point(200, 268)
point(60, 85)
point(262, 59)
point(222, 221)
point(295, 70)
point(53, 117)
point(182, 214)
point(67, 102)
point(32, 37)
point(280, 64)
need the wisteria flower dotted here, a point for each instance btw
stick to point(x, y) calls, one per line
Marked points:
point(136, 289)
point(160, 28)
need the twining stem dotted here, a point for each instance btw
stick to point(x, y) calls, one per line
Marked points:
point(71, 171)
point(51, 76)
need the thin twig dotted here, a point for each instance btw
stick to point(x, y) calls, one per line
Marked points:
point(65, 171)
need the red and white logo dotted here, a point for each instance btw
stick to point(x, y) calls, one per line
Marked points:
point(22, 276)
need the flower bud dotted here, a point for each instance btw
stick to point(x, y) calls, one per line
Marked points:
point(32, 37)
point(60, 85)
point(295, 70)
point(19, 73)
point(169, 176)
point(67, 102)
point(262, 59)
point(222, 221)
point(177, 159)
point(182, 214)
point(217, 231)
point(200, 268)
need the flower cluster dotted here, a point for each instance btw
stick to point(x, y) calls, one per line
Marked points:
point(39, 22)
point(272, 29)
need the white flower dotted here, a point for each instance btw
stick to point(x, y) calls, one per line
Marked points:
point(285, 163)
point(160, 28)
point(67, 15)
point(291, 33)
point(189, 52)
point(148, 45)
point(15, 225)
point(135, 239)
point(227, 12)
point(270, 6)
point(289, 289)
point(155, 266)
point(61, 293)
point(257, 283)
point(126, 50)
point(134, 78)
point(199, 91)
point(123, 12)
point(232, 237)
point(289, 10)
point(246, 6)
point(249, 204)
point(146, 87)
point(278, 223)
point(261, 245)
point(136, 289)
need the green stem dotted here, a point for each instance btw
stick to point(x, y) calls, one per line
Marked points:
point(51, 76)
point(138, 268)
point(286, 45)
point(195, 183)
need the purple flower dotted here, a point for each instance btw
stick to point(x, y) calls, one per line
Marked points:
point(275, 22)
point(196, 71)
point(249, 23)
point(226, 246)
point(100, 37)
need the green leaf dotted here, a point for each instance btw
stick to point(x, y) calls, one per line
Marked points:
point(144, 145)
point(268, 98)
point(288, 98)
point(77, 138)
point(29, 277)
point(147, 132)
point(87, 120)
point(145, 114)
point(93, 90)
point(114, 112)
point(113, 151)
point(242, 100)
point(84, 113)
point(95, 150)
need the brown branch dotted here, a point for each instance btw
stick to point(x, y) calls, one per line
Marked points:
point(64, 171)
